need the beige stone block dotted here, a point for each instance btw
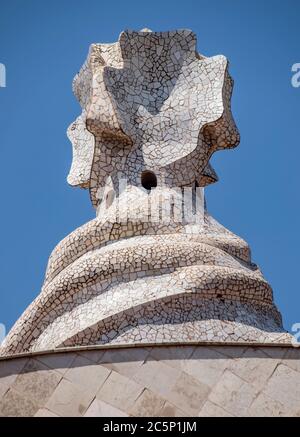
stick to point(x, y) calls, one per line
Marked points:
point(11, 366)
point(230, 351)
point(9, 370)
point(99, 408)
point(210, 409)
point(36, 381)
point(254, 367)
point(15, 404)
point(172, 355)
point(274, 351)
point(69, 400)
point(233, 394)
point(264, 406)
point(4, 387)
point(292, 358)
point(92, 355)
point(157, 376)
point(169, 410)
point(206, 365)
point(120, 391)
point(284, 387)
point(58, 361)
point(87, 374)
point(125, 361)
point(43, 412)
point(294, 413)
point(188, 394)
point(147, 405)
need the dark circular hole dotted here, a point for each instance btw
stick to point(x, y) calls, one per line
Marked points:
point(148, 179)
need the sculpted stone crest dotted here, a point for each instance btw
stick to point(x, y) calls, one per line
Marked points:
point(150, 101)
point(154, 111)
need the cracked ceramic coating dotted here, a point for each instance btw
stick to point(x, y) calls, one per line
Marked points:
point(153, 113)
point(151, 102)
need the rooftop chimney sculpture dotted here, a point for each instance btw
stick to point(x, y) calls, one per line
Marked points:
point(153, 267)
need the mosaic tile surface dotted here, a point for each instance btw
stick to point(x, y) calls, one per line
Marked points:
point(154, 111)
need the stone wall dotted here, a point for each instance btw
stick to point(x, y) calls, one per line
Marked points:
point(201, 380)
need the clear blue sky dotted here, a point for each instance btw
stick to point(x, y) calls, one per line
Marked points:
point(44, 43)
